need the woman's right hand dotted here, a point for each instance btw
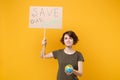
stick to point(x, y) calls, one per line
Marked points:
point(44, 42)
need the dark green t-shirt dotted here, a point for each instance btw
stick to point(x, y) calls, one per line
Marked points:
point(63, 60)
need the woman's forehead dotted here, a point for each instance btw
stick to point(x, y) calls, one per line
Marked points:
point(66, 35)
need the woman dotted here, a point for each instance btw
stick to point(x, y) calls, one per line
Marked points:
point(66, 56)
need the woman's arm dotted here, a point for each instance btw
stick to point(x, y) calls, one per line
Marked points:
point(79, 72)
point(43, 55)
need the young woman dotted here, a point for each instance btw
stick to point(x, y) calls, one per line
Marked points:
point(66, 56)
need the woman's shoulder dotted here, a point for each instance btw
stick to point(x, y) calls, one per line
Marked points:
point(80, 56)
point(78, 52)
point(58, 50)
point(57, 53)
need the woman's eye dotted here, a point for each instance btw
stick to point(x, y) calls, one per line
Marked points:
point(65, 38)
point(70, 38)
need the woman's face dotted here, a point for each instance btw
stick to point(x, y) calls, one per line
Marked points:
point(68, 41)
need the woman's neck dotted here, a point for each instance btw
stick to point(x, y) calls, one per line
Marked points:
point(69, 50)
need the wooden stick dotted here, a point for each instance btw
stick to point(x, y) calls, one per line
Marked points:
point(44, 33)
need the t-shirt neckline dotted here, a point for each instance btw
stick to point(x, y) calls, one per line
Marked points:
point(68, 54)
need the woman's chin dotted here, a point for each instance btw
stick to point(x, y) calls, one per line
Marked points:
point(68, 46)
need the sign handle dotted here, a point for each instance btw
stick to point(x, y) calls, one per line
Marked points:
point(44, 33)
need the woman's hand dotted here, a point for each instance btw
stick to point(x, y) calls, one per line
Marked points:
point(44, 42)
point(68, 73)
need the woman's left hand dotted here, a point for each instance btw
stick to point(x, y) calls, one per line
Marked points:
point(68, 73)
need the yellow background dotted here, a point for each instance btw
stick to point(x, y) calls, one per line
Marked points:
point(96, 22)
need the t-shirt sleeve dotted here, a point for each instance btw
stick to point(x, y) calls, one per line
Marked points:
point(55, 54)
point(80, 57)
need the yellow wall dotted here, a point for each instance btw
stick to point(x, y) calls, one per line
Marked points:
point(97, 23)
